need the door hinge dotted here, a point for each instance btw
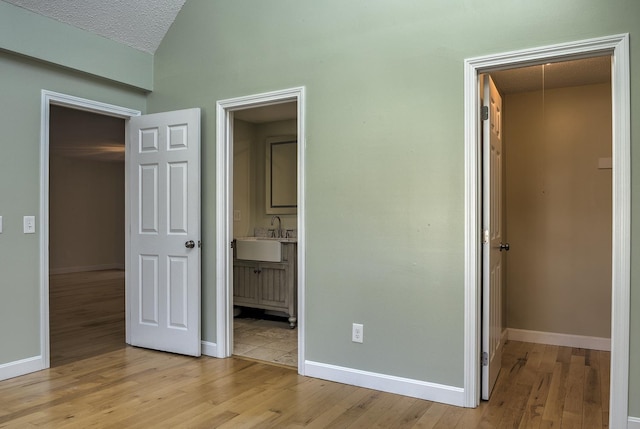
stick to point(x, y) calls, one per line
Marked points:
point(233, 244)
point(199, 244)
point(485, 113)
point(485, 236)
point(485, 359)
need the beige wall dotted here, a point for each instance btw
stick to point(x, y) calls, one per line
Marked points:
point(86, 192)
point(559, 210)
point(263, 131)
point(249, 148)
point(243, 136)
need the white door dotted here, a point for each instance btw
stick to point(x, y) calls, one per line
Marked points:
point(492, 225)
point(164, 177)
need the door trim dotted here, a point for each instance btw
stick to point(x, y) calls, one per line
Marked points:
point(618, 47)
point(49, 98)
point(224, 212)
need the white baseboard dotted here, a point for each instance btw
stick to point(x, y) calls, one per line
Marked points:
point(633, 423)
point(21, 367)
point(209, 349)
point(387, 383)
point(82, 269)
point(554, 339)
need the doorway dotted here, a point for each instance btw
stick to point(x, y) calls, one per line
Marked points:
point(555, 202)
point(54, 101)
point(265, 206)
point(86, 234)
point(245, 210)
point(617, 46)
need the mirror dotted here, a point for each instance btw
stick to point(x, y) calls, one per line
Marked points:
point(282, 175)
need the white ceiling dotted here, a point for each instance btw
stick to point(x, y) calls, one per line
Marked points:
point(563, 74)
point(140, 24)
point(271, 113)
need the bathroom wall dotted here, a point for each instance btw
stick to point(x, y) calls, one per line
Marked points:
point(263, 131)
point(559, 210)
point(249, 193)
point(243, 137)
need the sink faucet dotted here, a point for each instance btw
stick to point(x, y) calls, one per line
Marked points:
point(278, 231)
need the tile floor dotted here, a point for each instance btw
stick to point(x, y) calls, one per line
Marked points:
point(267, 340)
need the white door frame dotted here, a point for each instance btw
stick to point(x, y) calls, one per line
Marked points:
point(618, 47)
point(224, 212)
point(49, 98)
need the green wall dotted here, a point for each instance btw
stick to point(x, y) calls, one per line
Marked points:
point(385, 208)
point(35, 36)
point(21, 82)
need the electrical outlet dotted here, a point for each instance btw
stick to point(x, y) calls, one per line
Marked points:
point(357, 333)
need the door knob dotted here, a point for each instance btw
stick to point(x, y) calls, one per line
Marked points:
point(504, 246)
point(190, 244)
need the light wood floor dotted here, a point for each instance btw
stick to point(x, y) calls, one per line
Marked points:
point(539, 387)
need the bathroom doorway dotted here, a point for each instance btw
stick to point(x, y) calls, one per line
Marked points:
point(265, 207)
point(261, 204)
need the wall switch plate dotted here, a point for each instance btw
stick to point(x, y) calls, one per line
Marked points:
point(237, 215)
point(357, 333)
point(29, 224)
point(0, 224)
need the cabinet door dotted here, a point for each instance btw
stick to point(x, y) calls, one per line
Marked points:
point(245, 283)
point(273, 285)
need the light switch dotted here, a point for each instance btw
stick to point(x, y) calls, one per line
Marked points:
point(29, 224)
point(237, 215)
point(0, 224)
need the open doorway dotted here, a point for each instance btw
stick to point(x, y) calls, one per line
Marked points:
point(268, 266)
point(618, 47)
point(72, 135)
point(86, 234)
point(265, 208)
point(555, 194)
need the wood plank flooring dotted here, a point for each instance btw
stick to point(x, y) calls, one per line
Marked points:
point(86, 314)
point(539, 387)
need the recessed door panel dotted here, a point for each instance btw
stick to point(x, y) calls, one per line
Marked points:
point(148, 200)
point(177, 201)
point(178, 292)
point(148, 140)
point(177, 137)
point(148, 289)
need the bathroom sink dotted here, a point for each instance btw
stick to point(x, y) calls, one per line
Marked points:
point(258, 249)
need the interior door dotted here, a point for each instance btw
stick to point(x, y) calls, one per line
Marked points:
point(493, 245)
point(164, 177)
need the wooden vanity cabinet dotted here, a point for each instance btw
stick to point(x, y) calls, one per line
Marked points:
point(268, 285)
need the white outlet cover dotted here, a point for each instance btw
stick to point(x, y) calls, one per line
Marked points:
point(357, 333)
point(29, 224)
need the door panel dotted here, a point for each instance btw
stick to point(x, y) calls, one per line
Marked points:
point(493, 237)
point(165, 218)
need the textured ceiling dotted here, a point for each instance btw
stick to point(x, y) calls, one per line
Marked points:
point(140, 24)
point(557, 75)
